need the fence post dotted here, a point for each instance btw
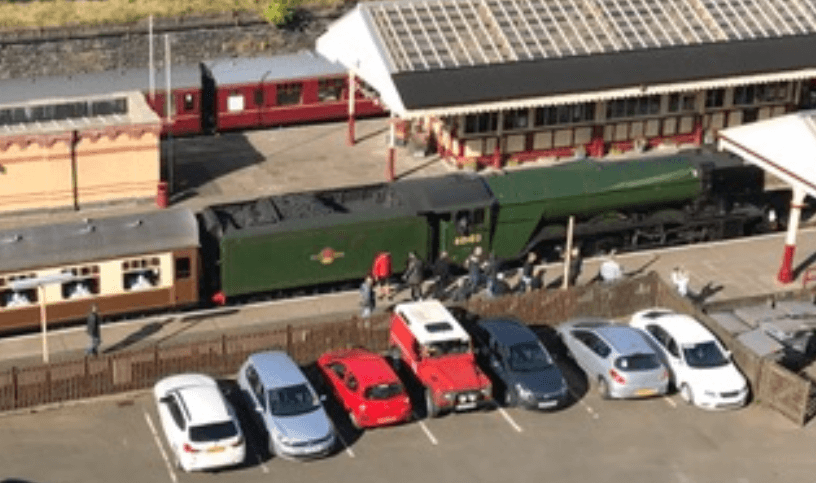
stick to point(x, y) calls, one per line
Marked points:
point(156, 361)
point(224, 362)
point(48, 382)
point(289, 338)
point(14, 384)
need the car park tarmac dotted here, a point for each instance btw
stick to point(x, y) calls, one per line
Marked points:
point(657, 439)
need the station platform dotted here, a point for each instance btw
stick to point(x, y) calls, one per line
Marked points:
point(718, 271)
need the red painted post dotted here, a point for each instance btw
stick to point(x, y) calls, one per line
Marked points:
point(497, 154)
point(161, 195)
point(390, 174)
point(352, 94)
point(351, 130)
point(785, 274)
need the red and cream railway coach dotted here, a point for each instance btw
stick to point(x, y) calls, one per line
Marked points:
point(246, 93)
point(125, 264)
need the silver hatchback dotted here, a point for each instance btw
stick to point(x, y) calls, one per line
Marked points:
point(617, 357)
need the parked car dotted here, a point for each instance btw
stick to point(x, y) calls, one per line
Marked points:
point(617, 357)
point(524, 371)
point(366, 386)
point(287, 405)
point(438, 351)
point(198, 422)
point(701, 368)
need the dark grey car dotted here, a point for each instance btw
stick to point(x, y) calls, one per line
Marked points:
point(523, 371)
point(616, 357)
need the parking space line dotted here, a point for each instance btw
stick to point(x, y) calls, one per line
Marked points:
point(670, 401)
point(585, 405)
point(161, 448)
point(343, 442)
point(427, 432)
point(264, 468)
point(510, 420)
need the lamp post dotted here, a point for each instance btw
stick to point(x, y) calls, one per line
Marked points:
point(39, 283)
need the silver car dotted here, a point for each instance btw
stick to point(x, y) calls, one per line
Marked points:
point(617, 357)
point(287, 405)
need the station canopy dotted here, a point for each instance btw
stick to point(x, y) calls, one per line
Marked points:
point(785, 146)
point(445, 57)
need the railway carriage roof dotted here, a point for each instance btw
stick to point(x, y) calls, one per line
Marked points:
point(256, 69)
point(97, 239)
point(95, 83)
point(445, 57)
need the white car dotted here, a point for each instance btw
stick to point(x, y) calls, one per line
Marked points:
point(198, 422)
point(701, 368)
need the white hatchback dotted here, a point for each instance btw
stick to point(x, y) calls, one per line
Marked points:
point(198, 422)
point(700, 366)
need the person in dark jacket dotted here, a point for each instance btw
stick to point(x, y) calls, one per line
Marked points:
point(413, 276)
point(367, 298)
point(442, 274)
point(474, 268)
point(527, 271)
point(93, 331)
point(491, 271)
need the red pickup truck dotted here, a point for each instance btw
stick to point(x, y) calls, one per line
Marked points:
point(432, 343)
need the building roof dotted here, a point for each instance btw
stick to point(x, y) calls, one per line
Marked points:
point(65, 114)
point(430, 322)
point(783, 146)
point(22, 90)
point(256, 69)
point(423, 56)
point(63, 244)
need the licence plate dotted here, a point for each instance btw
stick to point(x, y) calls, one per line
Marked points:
point(215, 449)
point(646, 392)
point(465, 406)
point(547, 404)
point(389, 419)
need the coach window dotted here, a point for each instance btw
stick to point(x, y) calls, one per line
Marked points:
point(259, 97)
point(17, 298)
point(289, 94)
point(715, 98)
point(329, 89)
point(235, 102)
point(182, 268)
point(189, 102)
point(84, 284)
point(140, 274)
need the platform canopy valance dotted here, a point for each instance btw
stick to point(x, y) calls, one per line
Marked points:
point(458, 56)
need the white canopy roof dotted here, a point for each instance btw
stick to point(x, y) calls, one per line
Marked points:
point(784, 146)
point(430, 321)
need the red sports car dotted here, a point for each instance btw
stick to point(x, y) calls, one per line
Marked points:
point(366, 386)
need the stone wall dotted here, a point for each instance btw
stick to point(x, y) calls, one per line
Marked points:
point(74, 50)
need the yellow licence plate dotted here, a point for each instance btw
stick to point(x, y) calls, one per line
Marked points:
point(216, 449)
point(646, 392)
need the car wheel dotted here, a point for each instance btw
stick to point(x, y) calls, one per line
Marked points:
point(686, 394)
point(510, 398)
point(354, 421)
point(603, 388)
point(430, 404)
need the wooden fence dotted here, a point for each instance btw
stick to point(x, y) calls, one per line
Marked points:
point(221, 355)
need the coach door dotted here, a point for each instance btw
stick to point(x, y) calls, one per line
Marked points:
point(185, 277)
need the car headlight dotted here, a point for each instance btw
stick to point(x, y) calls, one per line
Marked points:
point(449, 396)
point(710, 393)
point(523, 392)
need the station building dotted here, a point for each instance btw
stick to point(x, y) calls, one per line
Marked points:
point(69, 152)
point(493, 82)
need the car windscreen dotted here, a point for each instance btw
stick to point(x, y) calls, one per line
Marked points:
point(528, 357)
point(447, 347)
point(383, 391)
point(704, 354)
point(637, 362)
point(292, 400)
point(213, 432)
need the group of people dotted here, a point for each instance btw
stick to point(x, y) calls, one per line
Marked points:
point(481, 272)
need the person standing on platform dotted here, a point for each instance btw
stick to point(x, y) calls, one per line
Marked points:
point(367, 298)
point(474, 268)
point(491, 271)
point(527, 270)
point(413, 276)
point(610, 270)
point(93, 331)
point(381, 275)
point(442, 274)
point(680, 279)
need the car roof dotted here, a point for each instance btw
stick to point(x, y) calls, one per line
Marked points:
point(624, 339)
point(276, 369)
point(430, 322)
point(368, 367)
point(508, 331)
point(683, 328)
point(199, 395)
